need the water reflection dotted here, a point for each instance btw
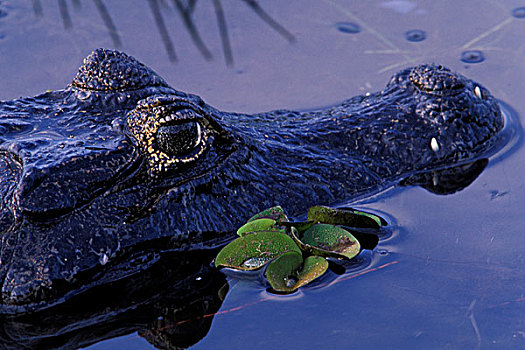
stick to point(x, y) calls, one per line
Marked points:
point(186, 10)
point(112, 30)
point(64, 13)
point(37, 8)
point(186, 13)
point(449, 180)
point(163, 31)
point(171, 305)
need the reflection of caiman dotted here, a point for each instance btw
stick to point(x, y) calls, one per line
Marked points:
point(119, 164)
point(170, 304)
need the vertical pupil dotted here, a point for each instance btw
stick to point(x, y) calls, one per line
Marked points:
point(178, 139)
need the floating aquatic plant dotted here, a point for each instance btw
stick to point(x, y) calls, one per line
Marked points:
point(275, 213)
point(259, 225)
point(328, 241)
point(295, 252)
point(289, 271)
point(254, 250)
point(344, 216)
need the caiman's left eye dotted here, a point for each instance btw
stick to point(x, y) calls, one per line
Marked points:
point(180, 139)
point(171, 132)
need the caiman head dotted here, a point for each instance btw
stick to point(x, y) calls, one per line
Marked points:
point(99, 178)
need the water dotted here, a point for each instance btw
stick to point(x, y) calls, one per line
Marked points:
point(451, 273)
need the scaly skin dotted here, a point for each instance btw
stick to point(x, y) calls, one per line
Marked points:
point(95, 178)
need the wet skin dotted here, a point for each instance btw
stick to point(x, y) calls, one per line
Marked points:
point(98, 176)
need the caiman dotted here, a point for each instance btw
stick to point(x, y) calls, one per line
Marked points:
point(98, 177)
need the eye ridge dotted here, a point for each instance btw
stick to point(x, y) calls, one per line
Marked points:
point(178, 115)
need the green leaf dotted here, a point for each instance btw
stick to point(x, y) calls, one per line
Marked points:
point(307, 249)
point(376, 218)
point(288, 272)
point(347, 217)
point(313, 267)
point(332, 241)
point(367, 239)
point(252, 251)
point(281, 272)
point(275, 213)
point(259, 225)
point(312, 249)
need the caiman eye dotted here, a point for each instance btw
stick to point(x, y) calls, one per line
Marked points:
point(180, 139)
point(171, 132)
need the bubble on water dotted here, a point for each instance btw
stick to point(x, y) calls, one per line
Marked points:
point(348, 27)
point(382, 252)
point(290, 281)
point(472, 56)
point(399, 6)
point(415, 35)
point(255, 262)
point(519, 12)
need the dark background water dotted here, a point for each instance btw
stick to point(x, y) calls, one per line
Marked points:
point(451, 275)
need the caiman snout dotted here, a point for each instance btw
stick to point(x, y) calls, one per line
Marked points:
point(52, 189)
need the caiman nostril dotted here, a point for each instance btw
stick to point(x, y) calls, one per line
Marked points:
point(436, 80)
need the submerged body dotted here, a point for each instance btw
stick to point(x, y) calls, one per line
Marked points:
point(96, 178)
